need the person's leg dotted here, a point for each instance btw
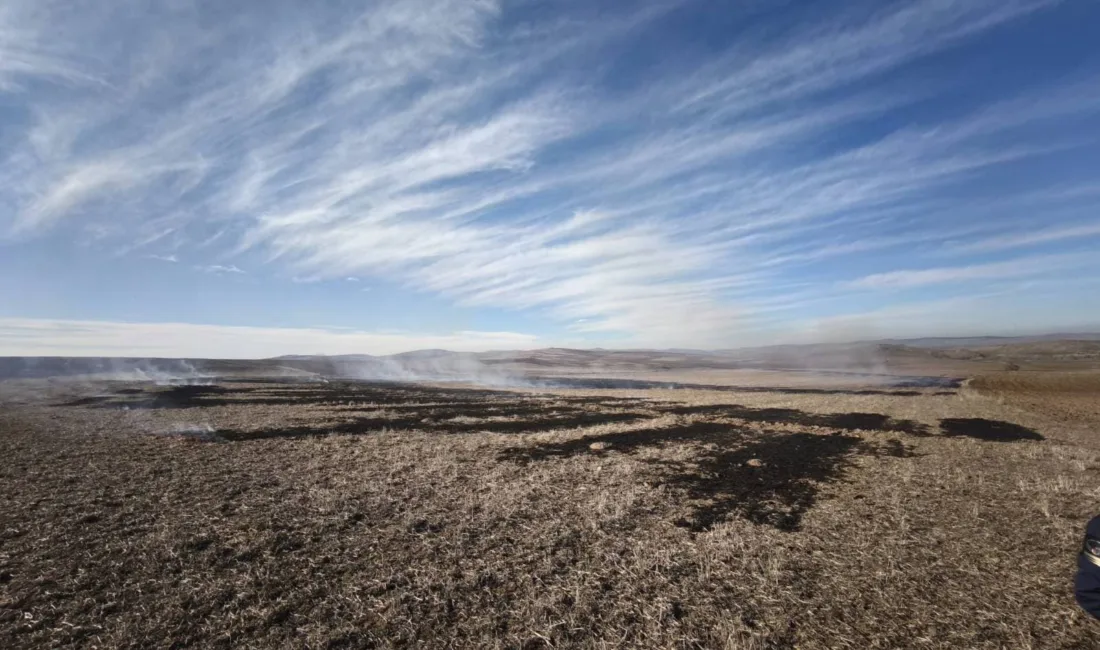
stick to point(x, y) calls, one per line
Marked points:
point(1087, 583)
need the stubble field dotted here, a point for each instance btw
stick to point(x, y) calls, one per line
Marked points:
point(358, 515)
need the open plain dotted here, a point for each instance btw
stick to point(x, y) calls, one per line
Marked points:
point(741, 511)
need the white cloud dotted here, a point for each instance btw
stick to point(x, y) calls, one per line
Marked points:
point(44, 337)
point(221, 268)
point(27, 52)
point(1016, 268)
point(75, 188)
point(989, 313)
point(1032, 238)
point(830, 55)
point(422, 142)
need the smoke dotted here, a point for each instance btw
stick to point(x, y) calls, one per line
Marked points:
point(873, 362)
point(427, 365)
point(173, 372)
point(163, 372)
point(613, 369)
point(854, 358)
point(431, 366)
point(199, 432)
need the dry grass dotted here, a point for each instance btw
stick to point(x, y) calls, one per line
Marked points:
point(1071, 399)
point(355, 516)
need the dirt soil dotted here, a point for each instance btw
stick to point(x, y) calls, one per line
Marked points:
point(1070, 398)
point(352, 515)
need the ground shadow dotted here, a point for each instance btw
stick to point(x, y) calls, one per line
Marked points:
point(845, 421)
point(364, 426)
point(777, 492)
point(176, 397)
point(446, 409)
point(623, 441)
point(737, 468)
point(362, 394)
point(373, 393)
point(991, 430)
point(768, 478)
point(597, 383)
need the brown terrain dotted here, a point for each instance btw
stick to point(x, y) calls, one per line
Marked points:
point(893, 497)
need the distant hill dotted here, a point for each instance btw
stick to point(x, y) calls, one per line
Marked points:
point(957, 356)
point(1038, 352)
point(141, 367)
point(986, 341)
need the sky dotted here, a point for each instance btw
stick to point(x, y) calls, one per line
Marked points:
point(256, 178)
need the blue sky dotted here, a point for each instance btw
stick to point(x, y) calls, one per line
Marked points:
point(260, 178)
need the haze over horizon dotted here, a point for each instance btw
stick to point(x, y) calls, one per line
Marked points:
point(200, 179)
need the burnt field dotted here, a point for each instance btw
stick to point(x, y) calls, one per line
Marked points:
point(358, 515)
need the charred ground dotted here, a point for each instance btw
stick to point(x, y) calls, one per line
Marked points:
point(344, 514)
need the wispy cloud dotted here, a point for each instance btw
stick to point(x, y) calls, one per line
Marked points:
point(1015, 268)
point(985, 313)
point(1032, 238)
point(452, 147)
point(825, 56)
point(221, 268)
point(27, 52)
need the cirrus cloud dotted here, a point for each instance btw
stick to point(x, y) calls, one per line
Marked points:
point(471, 150)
